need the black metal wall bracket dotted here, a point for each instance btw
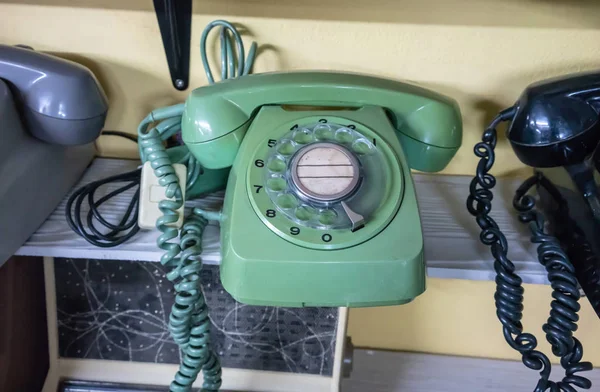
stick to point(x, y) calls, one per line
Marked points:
point(175, 23)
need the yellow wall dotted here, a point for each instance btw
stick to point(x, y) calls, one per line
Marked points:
point(481, 52)
point(458, 317)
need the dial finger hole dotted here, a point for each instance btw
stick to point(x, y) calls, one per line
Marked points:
point(323, 132)
point(305, 213)
point(344, 135)
point(363, 147)
point(327, 217)
point(302, 136)
point(286, 148)
point(277, 165)
point(287, 201)
point(276, 184)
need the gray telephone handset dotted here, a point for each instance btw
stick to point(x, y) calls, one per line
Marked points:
point(51, 111)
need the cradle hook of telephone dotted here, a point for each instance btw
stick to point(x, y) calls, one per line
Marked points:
point(509, 289)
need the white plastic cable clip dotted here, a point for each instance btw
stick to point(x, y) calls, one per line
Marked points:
point(151, 193)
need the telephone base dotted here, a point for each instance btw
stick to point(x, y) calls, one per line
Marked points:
point(253, 302)
point(271, 260)
point(361, 282)
point(35, 177)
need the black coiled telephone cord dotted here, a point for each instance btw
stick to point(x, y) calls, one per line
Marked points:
point(580, 251)
point(509, 286)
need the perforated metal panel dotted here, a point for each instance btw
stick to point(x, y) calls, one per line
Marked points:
point(118, 310)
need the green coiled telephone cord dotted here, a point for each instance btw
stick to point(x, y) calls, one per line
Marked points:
point(189, 324)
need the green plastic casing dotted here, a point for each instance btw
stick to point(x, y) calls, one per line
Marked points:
point(210, 180)
point(216, 117)
point(227, 123)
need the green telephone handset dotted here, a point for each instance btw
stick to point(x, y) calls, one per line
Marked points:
point(320, 208)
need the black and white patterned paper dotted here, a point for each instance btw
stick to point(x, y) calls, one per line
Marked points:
point(118, 310)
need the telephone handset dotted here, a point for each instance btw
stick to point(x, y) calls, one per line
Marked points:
point(51, 111)
point(554, 127)
point(320, 207)
point(60, 101)
point(427, 122)
point(557, 125)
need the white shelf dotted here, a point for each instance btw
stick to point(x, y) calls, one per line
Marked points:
point(452, 248)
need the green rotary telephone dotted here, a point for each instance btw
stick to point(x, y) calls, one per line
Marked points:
point(320, 207)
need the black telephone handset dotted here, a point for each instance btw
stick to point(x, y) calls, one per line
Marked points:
point(556, 121)
point(554, 127)
point(557, 124)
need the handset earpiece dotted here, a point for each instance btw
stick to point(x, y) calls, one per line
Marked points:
point(60, 101)
point(431, 134)
point(213, 129)
point(556, 123)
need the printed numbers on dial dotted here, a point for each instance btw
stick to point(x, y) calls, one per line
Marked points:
point(271, 188)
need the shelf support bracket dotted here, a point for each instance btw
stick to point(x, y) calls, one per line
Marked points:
point(175, 23)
